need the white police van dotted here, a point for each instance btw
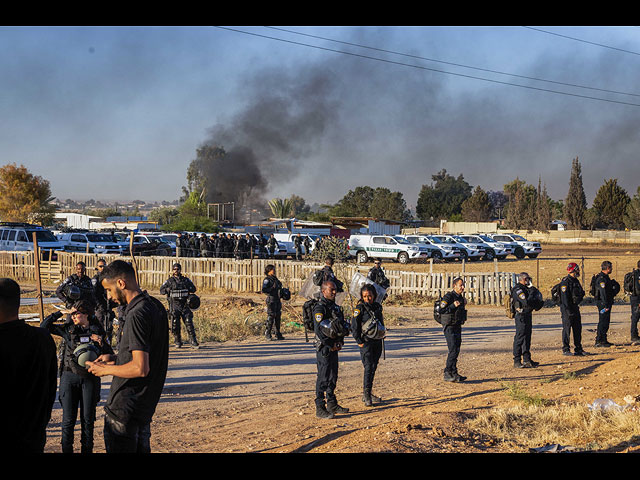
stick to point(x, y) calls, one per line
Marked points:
point(395, 248)
point(19, 237)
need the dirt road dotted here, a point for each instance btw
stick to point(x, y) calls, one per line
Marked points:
point(257, 396)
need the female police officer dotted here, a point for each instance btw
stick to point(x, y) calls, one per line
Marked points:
point(82, 335)
point(368, 332)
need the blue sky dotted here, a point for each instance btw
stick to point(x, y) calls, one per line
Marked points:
point(117, 113)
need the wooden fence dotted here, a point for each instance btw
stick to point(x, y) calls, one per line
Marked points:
point(245, 276)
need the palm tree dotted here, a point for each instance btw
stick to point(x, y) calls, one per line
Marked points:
point(280, 208)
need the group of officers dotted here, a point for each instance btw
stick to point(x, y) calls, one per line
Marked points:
point(88, 326)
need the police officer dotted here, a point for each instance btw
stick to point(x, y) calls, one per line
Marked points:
point(272, 244)
point(104, 307)
point(368, 332)
point(330, 329)
point(526, 298)
point(307, 246)
point(376, 274)
point(327, 274)
point(571, 294)
point(297, 243)
point(77, 385)
point(453, 315)
point(632, 287)
point(605, 289)
point(75, 287)
point(271, 286)
point(177, 289)
point(262, 246)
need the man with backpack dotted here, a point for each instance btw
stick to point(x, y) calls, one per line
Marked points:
point(525, 298)
point(604, 289)
point(632, 287)
point(570, 295)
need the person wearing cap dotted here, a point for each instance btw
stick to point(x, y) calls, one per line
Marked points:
point(526, 298)
point(177, 289)
point(571, 294)
point(77, 386)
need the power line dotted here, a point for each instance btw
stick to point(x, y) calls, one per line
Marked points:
point(583, 41)
point(457, 64)
point(428, 69)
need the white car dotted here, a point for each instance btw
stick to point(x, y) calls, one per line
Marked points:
point(91, 242)
point(494, 249)
point(530, 249)
point(19, 236)
point(474, 251)
point(390, 247)
point(443, 251)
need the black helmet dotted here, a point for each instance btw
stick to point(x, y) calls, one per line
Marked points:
point(193, 301)
point(74, 292)
point(285, 294)
point(85, 352)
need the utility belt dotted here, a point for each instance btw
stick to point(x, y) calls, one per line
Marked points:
point(180, 294)
point(457, 318)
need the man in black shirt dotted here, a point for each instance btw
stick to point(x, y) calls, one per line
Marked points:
point(140, 367)
point(605, 289)
point(453, 314)
point(526, 299)
point(28, 375)
point(75, 287)
point(571, 294)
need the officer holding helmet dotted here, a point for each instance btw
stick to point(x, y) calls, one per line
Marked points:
point(571, 294)
point(179, 291)
point(83, 338)
point(75, 287)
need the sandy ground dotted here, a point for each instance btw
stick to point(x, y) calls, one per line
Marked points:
point(257, 396)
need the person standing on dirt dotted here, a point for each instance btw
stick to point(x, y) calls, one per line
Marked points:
point(271, 286)
point(632, 287)
point(453, 315)
point(139, 369)
point(177, 288)
point(605, 290)
point(77, 386)
point(272, 244)
point(526, 298)
point(330, 330)
point(571, 294)
point(327, 274)
point(368, 332)
point(376, 274)
point(104, 309)
point(28, 375)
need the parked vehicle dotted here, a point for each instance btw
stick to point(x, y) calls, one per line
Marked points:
point(492, 249)
point(502, 249)
point(151, 245)
point(443, 251)
point(19, 236)
point(522, 246)
point(90, 242)
point(471, 251)
point(395, 248)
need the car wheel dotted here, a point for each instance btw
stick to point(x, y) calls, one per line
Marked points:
point(489, 255)
point(464, 256)
point(437, 255)
point(403, 257)
point(519, 253)
point(362, 257)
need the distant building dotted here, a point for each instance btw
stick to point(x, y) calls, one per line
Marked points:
point(366, 225)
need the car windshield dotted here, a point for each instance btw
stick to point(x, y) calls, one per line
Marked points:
point(519, 238)
point(471, 239)
point(448, 240)
point(435, 240)
point(401, 240)
point(41, 236)
point(95, 237)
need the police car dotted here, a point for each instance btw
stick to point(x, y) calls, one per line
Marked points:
point(394, 248)
point(501, 249)
point(472, 251)
point(19, 236)
point(442, 251)
point(91, 242)
point(530, 249)
point(492, 249)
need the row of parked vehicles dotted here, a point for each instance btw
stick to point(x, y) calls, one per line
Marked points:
point(407, 248)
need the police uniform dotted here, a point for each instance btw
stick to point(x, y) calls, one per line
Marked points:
point(452, 318)
point(272, 244)
point(307, 246)
point(297, 243)
point(329, 276)
point(371, 349)
point(634, 298)
point(327, 347)
point(77, 385)
point(377, 276)
point(177, 288)
point(524, 303)
point(606, 289)
point(571, 294)
point(104, 308)
point(271, 286)
point(85, 285)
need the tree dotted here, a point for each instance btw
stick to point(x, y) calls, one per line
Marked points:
point(544, 209)
point(281, 208)
point(443, 198)
point(192, 216)
point(499, 202)
point(299, 207)
point(377, 202)
point(518, 210)
point(610, 204)
point(576, 203)
point(632, 215)
point(24, 197)
point(477, 208)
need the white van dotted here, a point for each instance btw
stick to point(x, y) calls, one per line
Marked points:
point(397, 248)
point(19, 236)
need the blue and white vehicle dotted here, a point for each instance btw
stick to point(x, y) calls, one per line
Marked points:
point(471, 252)
point(90, 242)
point(19, 236)
point(531, 249)
point(444, 251)
point(501, 249)
point(397, 248)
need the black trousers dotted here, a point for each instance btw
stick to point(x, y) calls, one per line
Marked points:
point(83, 391)
point(274, 316)
point(370, 354)
point(604, 319)
point(453, 335)
point(522, 338)
point(571, 324)
point(327, 362)
point(129, 438)
point(635, 316)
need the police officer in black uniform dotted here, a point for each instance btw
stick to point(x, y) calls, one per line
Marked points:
point(76, 287)
point(177, 289)
point(272, 244)
point(633, 289)
point(526, 298)
point(272, 287)
point(368, 332)
point(307, 246)
point(453, 315)
point(606, 289)
point(297, 243)
point(376, 274)
point(330, 329)
point(77, 385)
point(329, 276)
point(104, 307)
point(571, 294)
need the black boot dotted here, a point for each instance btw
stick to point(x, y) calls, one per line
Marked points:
point(178, 340)
point(334, 408)
point(322, 412)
